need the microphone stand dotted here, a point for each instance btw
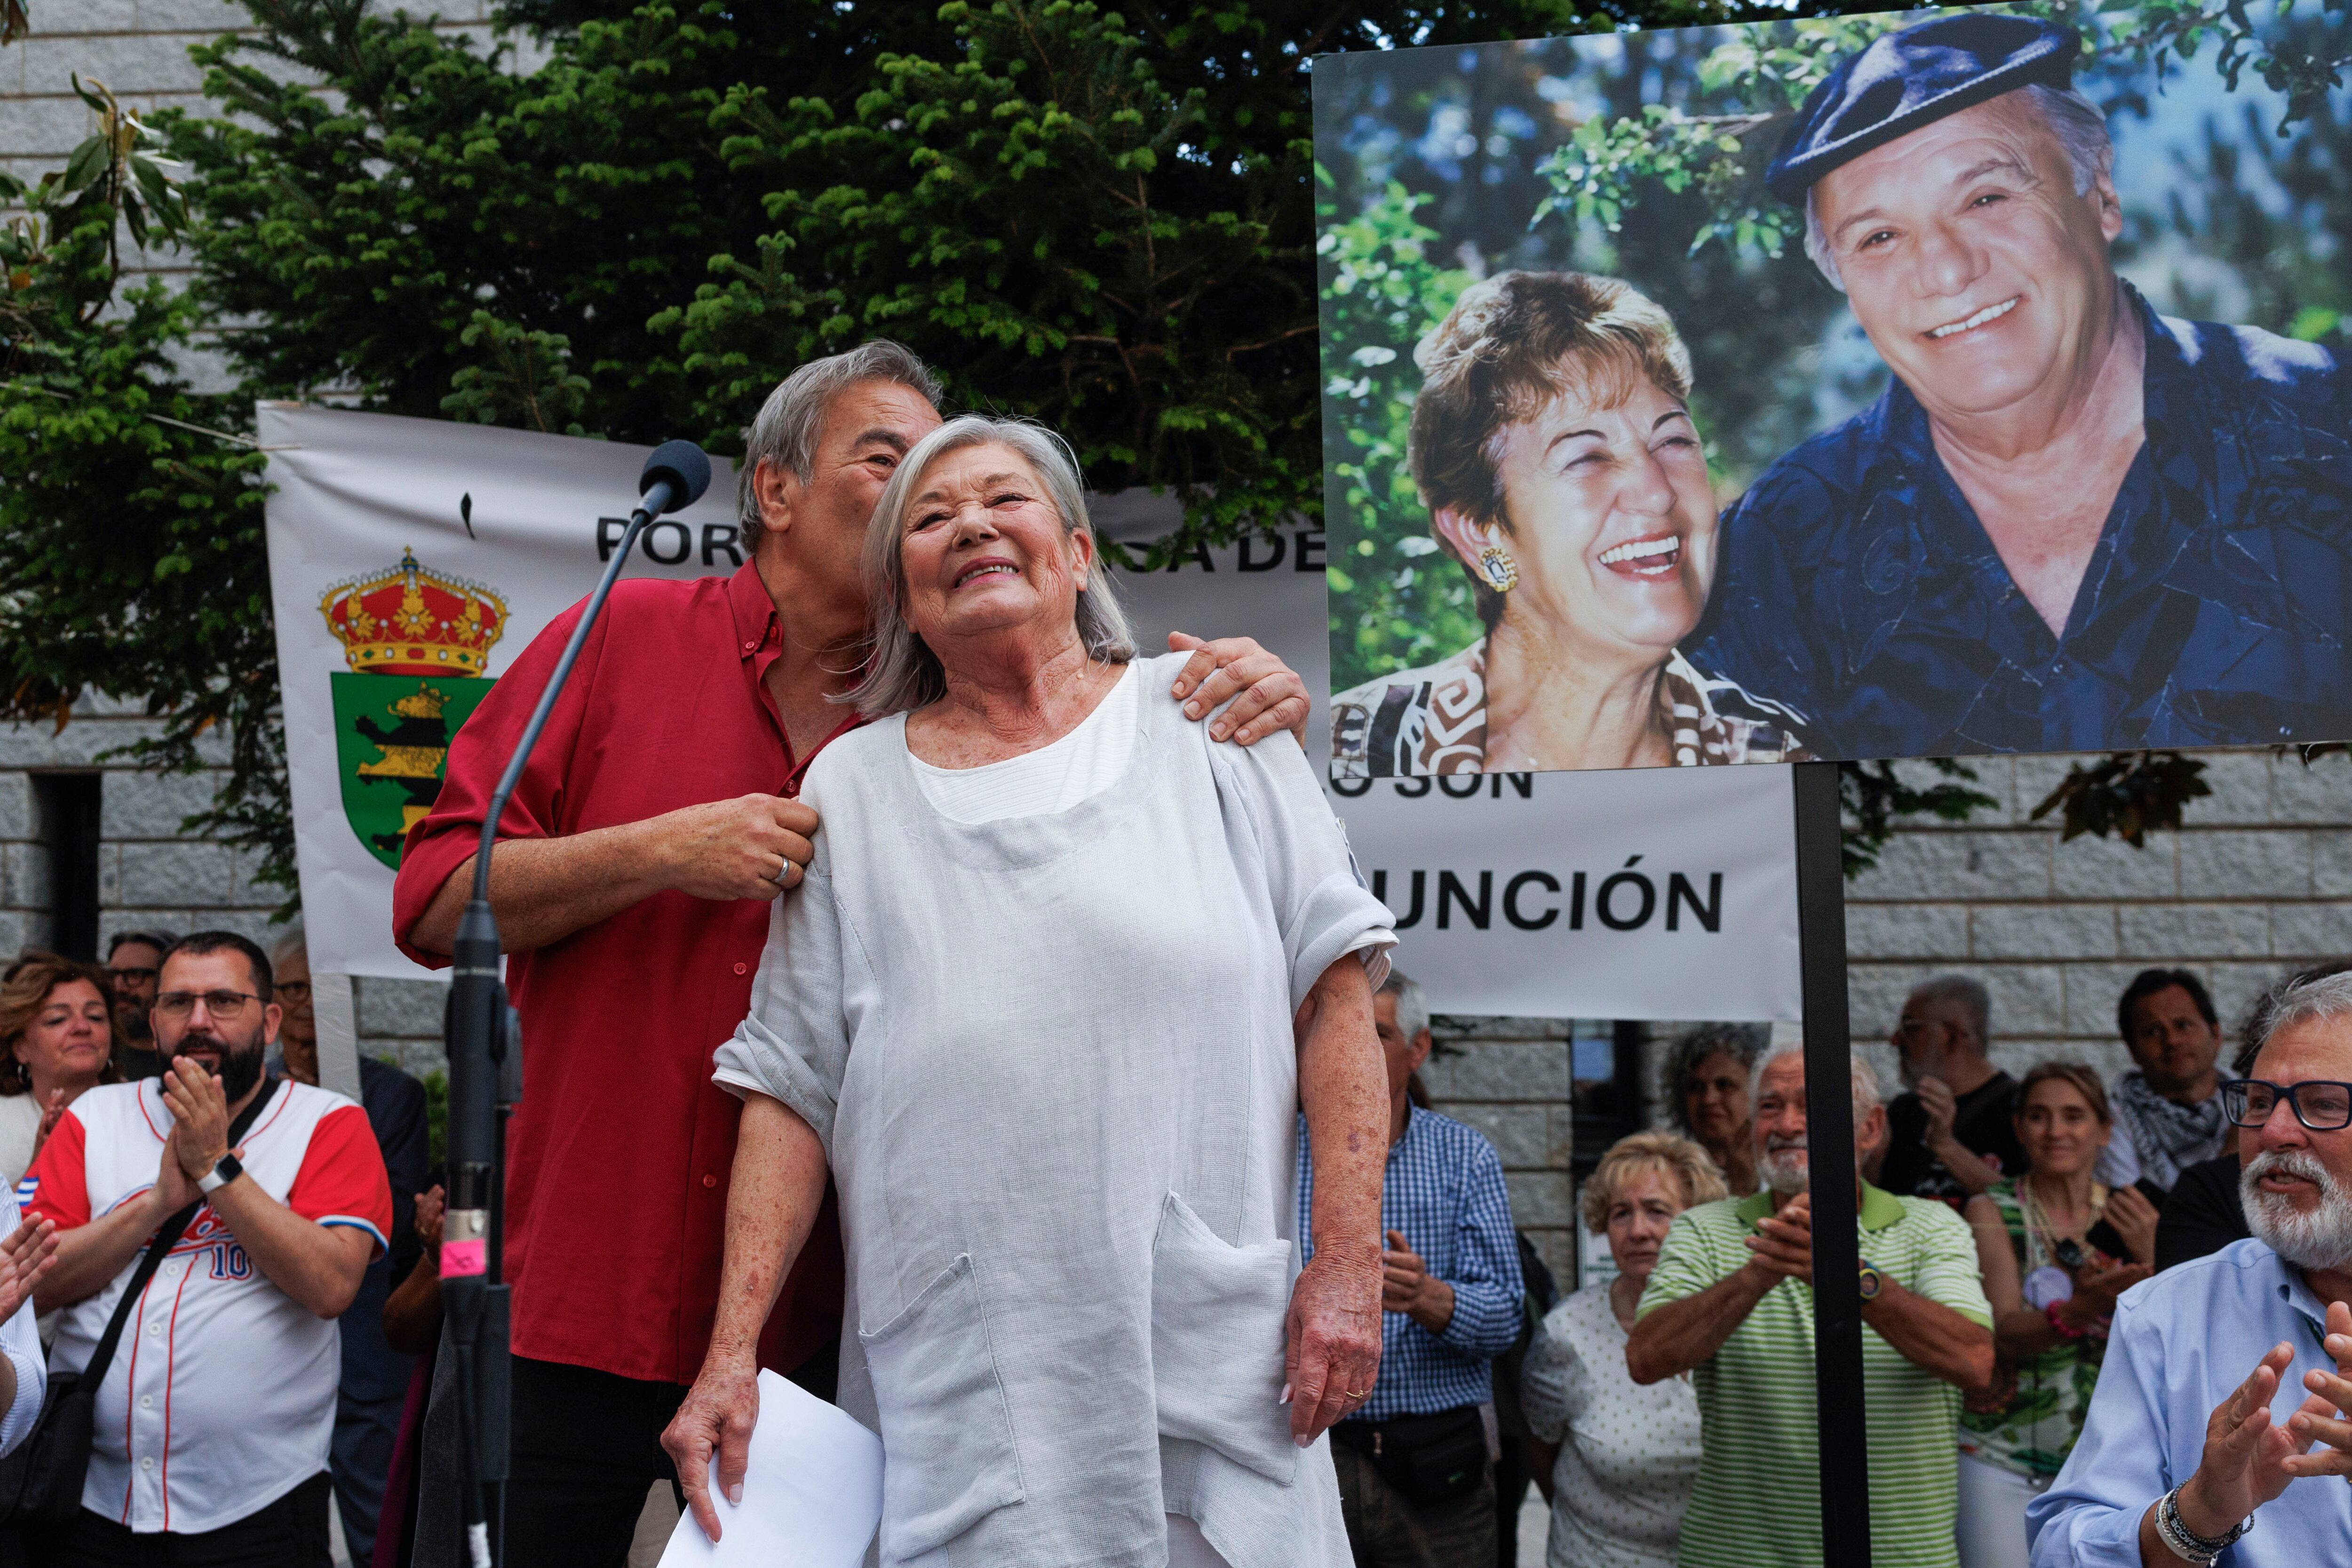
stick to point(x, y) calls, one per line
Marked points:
point(485, 1045)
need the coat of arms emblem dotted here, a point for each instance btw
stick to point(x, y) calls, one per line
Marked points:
point(419, 643)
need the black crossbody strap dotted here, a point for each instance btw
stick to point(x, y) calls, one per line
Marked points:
point(167, 1236)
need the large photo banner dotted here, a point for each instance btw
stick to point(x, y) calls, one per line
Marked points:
point(1922, 384)
point(411, 561)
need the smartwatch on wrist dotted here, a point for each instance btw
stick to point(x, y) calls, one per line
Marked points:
point(224, 1171)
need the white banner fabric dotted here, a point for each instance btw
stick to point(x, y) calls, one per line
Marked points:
point(1624, 895)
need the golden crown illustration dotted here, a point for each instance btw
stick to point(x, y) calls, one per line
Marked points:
point(410, 621)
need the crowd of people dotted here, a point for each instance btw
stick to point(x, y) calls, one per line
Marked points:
point(2080, 1298)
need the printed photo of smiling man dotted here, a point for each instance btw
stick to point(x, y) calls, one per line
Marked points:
point(2070, 522)
point(1831, 388)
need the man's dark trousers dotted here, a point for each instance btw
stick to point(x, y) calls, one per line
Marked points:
point(1387, 1530)
point(289, 1533)
point(587, 1447)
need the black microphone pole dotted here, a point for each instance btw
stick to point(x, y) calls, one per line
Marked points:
point(484, 1048)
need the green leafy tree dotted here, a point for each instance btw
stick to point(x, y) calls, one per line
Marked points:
point(131, 524)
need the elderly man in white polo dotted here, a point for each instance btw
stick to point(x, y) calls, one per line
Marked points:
point(1731, 1302)
point(2219, 1408)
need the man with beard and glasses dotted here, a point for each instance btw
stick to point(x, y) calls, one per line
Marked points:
point(214, 1416)
point(1731, 1302)
point(2176, 1406)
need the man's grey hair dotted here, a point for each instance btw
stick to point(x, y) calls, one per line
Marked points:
point(903, 673)
point(1867, 1095)
point(2080, 125)
point(789, 423)
point(1969, 996)
point(1412, 1006)
point(287, 946)
point(2311, 1002)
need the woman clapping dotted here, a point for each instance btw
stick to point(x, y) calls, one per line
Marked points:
point(2057, 1247)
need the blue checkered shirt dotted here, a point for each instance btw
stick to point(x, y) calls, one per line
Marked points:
point(1444, 1193)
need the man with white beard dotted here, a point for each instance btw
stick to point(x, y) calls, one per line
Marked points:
point(2177, 1407)
point(1731, 1302)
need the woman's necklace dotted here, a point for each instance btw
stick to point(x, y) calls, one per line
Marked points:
point(2045, 1235)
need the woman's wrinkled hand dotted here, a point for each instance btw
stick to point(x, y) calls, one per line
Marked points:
point(1333, 1350)
point(715, 1418)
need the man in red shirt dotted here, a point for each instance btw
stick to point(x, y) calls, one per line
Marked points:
point(637, 860)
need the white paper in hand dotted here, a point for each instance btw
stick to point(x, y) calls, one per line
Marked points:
point(812, 1495)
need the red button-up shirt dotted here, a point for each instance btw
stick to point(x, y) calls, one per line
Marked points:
point(618, 1157)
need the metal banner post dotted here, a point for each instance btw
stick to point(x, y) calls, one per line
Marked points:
point(1829, 1122)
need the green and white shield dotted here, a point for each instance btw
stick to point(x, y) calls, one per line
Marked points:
point(392, 741)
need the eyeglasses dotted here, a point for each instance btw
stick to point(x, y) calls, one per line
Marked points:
point(126, 976)
point(219, 1004)
point(2321, 1105)
point(296, 991)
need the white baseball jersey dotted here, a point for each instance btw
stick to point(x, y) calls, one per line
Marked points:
point(221, 1398)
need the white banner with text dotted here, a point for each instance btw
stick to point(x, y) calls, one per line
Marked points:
point(412, 560)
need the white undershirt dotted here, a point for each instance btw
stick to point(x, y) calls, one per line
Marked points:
point(1067, 772)
point(1052, 778)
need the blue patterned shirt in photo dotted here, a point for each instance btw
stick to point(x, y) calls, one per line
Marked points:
point(1444, 1193)
point(1859, 588)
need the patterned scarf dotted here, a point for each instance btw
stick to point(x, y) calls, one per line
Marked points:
point(2167, 1134)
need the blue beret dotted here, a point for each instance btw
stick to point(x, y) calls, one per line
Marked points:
point(1914, 77)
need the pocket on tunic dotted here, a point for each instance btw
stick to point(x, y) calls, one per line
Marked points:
point(949, 1458)
point(1217, 1324)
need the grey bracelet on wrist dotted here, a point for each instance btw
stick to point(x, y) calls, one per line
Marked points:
point(2186, 1543)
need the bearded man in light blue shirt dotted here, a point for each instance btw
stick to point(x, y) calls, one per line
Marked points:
point(2185, 1454)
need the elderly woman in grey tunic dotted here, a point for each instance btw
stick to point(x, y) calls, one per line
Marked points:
point(1061, 977)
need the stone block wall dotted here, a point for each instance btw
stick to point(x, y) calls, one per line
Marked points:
point(2256, 883)
point(149, 874)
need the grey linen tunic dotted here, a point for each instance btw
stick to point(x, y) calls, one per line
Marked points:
point(1051, 1061)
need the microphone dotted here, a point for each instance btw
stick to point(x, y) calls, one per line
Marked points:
point(674, 476)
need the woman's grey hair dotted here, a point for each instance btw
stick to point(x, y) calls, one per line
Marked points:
point(1867, 1095)
point(903, 673)
point(789, 423)
point(1412, 1006)
point(2315, 1001)
point(1740, 1042)
point(2080, 125)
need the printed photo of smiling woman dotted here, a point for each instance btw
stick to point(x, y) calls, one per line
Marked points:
point(1553, 445)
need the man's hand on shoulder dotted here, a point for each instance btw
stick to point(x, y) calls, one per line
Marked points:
point(1272, 698)
point(753, 846)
